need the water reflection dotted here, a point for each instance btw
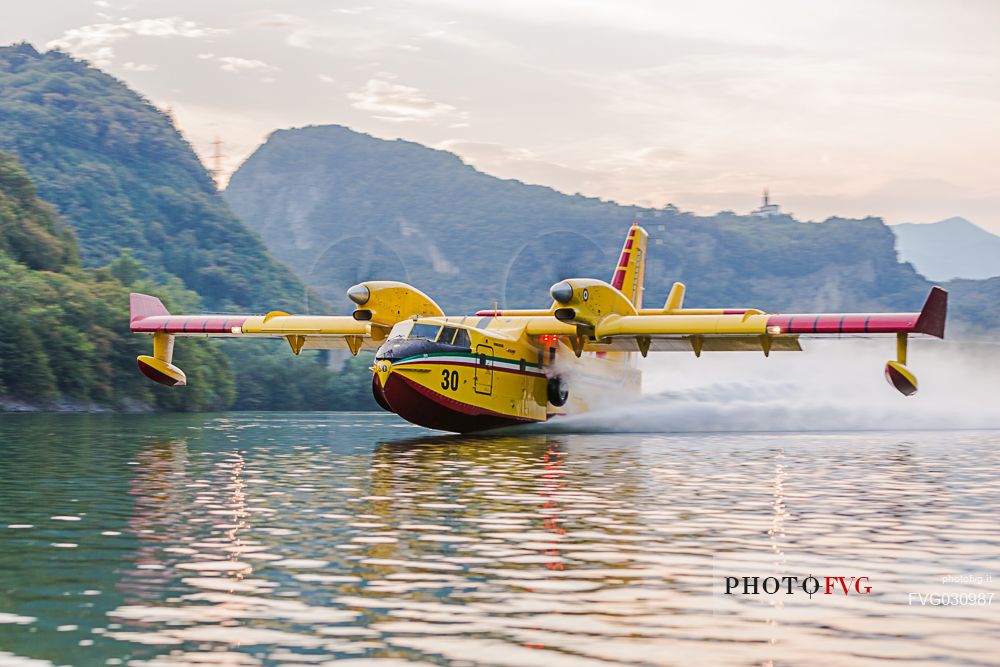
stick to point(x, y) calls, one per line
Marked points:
point(293, 539)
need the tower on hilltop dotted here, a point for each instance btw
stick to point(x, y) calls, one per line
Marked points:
point(766, 209)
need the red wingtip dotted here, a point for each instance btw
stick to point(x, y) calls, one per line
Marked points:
point(141, 306)
point(933, 314)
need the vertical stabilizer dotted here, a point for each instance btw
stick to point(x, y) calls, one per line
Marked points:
point(631, 270)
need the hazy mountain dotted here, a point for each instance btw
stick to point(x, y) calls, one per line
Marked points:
point(341, 206)
point(974, 306)
point(952, 248)
point(121, 175)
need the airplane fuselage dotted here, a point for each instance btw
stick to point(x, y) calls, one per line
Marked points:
point(477, 373)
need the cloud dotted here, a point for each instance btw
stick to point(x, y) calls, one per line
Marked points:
point(485, 151)
point(238, 65)
point(96, 42)
point(325, 78)
point(139, 67)
point(235, 64)
point(398, 103)
point(278, 21)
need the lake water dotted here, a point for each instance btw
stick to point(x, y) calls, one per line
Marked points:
point(299, 539)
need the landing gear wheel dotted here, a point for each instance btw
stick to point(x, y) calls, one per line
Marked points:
point(557, 391)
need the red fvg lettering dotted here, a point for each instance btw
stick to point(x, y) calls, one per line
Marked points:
point(789, 585)
point(846, 586)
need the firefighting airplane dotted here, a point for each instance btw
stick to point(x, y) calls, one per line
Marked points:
point(505, 367)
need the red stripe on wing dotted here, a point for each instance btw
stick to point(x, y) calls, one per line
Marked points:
point(848, 323)
point(209, 324)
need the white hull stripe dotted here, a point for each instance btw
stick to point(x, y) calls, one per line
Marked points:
point(472, 362)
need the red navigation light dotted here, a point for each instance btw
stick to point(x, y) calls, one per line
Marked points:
point(548, 339)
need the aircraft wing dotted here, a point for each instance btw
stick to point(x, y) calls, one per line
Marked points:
point(735, 330)
point(147, 314)
point(381, 305)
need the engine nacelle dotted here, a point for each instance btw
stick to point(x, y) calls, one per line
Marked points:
point(900, 377)
point(587, 301)
point(386, 302)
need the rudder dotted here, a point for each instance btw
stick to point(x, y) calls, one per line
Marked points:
point(630, 273)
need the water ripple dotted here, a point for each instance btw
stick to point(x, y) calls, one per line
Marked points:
point(303, 539)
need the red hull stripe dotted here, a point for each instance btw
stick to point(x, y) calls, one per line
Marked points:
point(851, 323)
point(207, 324)
point(424, 407)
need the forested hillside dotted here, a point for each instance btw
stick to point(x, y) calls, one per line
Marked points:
point(121, 175)
point(65, 343)
point(344, 206)
point(65, 339)
point(147, 218)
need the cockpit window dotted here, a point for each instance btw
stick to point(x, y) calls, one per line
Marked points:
point(462, 338)
point(425, 331)
point(447, 335)
point(401, 329)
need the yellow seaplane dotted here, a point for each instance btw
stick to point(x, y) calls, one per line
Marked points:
point(503, 367)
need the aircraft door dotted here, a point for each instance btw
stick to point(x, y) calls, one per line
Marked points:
point(484, 369)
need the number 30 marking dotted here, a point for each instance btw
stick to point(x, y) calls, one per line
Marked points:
point(449, 380)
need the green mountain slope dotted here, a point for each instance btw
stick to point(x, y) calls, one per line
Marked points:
point(65, 339)
point(143, 207)
point(117, 170)
point(342, 206)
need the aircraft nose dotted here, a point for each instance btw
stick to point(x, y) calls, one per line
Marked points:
point(382, 369)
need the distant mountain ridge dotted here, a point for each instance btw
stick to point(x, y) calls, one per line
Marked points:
point(952, 248)
point(343, 206)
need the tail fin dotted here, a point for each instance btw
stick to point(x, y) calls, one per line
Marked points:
point(141, 306)
point(933, 314)
point(631, 270)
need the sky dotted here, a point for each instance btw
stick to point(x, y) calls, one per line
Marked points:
point(878, 107)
